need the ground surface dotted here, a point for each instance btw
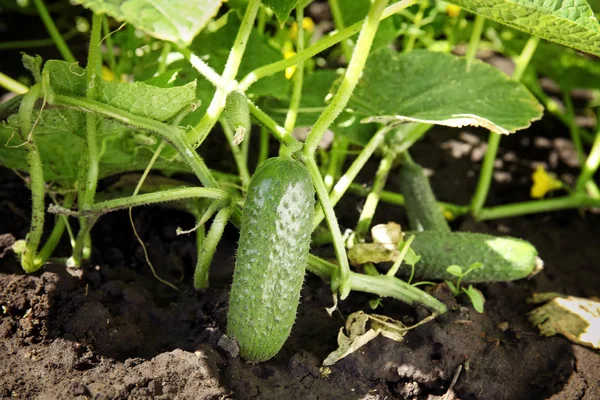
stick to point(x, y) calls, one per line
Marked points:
point(112, 331)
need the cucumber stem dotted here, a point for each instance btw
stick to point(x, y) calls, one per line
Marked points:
point(209, 245)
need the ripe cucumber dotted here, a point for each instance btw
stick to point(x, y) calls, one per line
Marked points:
point(237, 114)
point(271, 258)
point(503, 258)
point(424, 214)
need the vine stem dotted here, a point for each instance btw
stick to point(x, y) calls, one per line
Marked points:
point(346, 180)
point(538, 206)
point(9, 83)
point(277, 130)
point(335, 107)
point(90, 166)
point(368, 211)
point(591, 165)
point(298, 78)
point(53, 31)
point(36, 43)
point(238, 156)
point(213, 112)
point(475, 39)
point(56, 234)
point(338, 20)
point(316, 48)
point(36, 178)
point(487, 168)
point(381, 285)
point(209, 245)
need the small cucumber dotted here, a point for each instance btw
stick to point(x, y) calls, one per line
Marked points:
point(424, 214)
point(271, 258)
point(503, 258)
point(237, 115)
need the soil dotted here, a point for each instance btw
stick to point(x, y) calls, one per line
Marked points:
point(112, 331)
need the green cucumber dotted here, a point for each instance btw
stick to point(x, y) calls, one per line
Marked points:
point(424, 213)
point(237, 114)
point(503, 258)
point(271, 258)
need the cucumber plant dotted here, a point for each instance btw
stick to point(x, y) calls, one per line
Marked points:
point(178, 73)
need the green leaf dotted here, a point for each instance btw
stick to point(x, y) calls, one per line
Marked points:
point(455, 270)
point(476, 298)
point(438, 88)
point(570, 23)
point(176, 21)
point(60, 136)
point(34, 65)
point(452, 287)
point(411, 258)
point(281, 8)
point(138, 98)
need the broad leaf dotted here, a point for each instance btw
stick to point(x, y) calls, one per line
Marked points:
point(176, 21)
point(138, 98)
point(438, 88)
point(281, 8)
point(60, 138)
point(570, 23)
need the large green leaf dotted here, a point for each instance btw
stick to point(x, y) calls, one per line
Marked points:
point(138, 98)
point(177, 21)
point(437, 88)
point(571, 23)
point(281, 8)
point(60, 139)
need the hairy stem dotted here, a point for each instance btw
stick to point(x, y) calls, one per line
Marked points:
point(209, 245)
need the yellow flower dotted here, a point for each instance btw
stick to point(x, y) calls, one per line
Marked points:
point(448, 215)
point(452, 10)
point(289, 71)
point(107, 74)
point(307, 24)
point(543, 182)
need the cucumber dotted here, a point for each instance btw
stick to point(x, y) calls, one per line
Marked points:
point(271, 258)
point(424, 214)
point(503, 258)
point(237, 115)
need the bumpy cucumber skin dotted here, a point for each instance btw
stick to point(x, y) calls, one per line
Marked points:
point(236, 112)
point(424, 214)
point(503, 258)
point(271, 258)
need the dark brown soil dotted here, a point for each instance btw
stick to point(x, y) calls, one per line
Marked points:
point(113, 331)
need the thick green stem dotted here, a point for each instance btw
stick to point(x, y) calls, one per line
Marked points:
point(342, 185)
point(209, 245)
point(87, 191)
point(36, 178)
point(298, 78)
point(203, 68)
point(277, 130)
point(57, 232)
point(353, 73)
point(316, 48)
point(107, 206)
point(368, 211)
point(474, 40)
point(538, 206)
point(338, 20)
point(398, 199)
point(590, 166)
point(169, 133)
point(239, 158)
point(263, 152)
point(487, 168)
point(10, 84)
point(53, 31)
point(196, 136)
point(381, 285)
